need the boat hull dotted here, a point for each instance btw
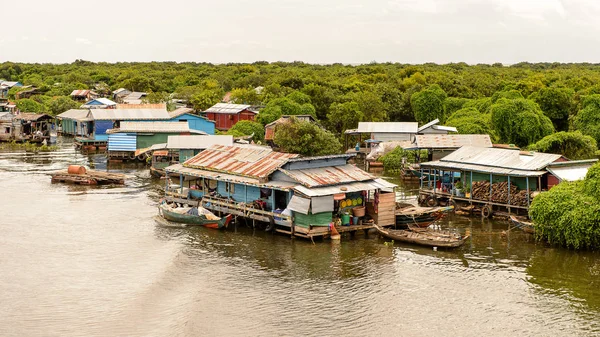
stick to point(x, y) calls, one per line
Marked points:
point(425, 238)
point(525, 226)
point(422, 219)
point(196, 220)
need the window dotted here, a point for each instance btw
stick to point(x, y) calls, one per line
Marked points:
point(183, 120)
point(7, 130)
point(230, 187)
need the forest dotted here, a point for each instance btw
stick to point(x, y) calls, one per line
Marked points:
point(548, 107)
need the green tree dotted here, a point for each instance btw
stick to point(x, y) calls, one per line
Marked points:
point(344, 116)
point(572, 145)
point(247, 128)
point(471, 121)
point(321, 98)
point(305, 138)
point(428, 104)
point(556, 103)
point(245, 96)
point(588, 118)
point(452, 104)
point(156, 97)
point(61, 104)
point(284, 106)
point(205, 99)
point(29, 105)
point(519, 121)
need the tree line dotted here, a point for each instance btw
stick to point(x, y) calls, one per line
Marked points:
point(541, 106)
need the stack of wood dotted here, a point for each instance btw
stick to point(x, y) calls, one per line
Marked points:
point(481, 191)
point(80, 176)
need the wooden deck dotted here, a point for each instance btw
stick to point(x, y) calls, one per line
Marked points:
point(91, 177)
point(473, 206)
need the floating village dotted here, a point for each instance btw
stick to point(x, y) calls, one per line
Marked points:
point(215, 180)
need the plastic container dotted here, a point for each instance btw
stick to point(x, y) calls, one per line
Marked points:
point(355, 220)
point(359, 211)
point(345, 219)
point(76, 169)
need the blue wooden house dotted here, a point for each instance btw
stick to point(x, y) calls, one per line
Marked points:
point(195, 122)
point(297, 196)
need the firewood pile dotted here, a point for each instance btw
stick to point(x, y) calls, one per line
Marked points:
point(481, 191)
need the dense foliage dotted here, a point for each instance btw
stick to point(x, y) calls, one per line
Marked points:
point(305, 138)
point(247, 128)
point(572, 145)
point(569, 214)
point(530, 97)
point(392, 161)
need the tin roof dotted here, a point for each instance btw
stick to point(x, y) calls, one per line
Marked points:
point(101, 100)
point(162, 106)
point(440, 141)
point(495, 160)
point(428, 125)
point(445, 128)
point(227, 108)
point(180, 169)
point(387, 127)
point(345, 188)
point(180, 111)
point(155, 127)
point(329, 175)
point(571, 170)
point(250, 162)
point(130, 114)
point(80, 92)
point(198, 142)
point(76, 114)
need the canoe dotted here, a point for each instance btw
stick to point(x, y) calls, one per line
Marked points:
point(524, 225)
point(407, 214)
point(157, 172)
point(203, 218)
point(424, 237)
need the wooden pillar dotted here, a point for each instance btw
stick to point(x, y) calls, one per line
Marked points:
point(539, 187)
point(245, 193)
point(527, 180)
point(181, 183)
point(509, 192)
point(434, 181)
point(471, 188)
point(167, 181)
point(273, 200)
point(421, 179)
point(491, 179)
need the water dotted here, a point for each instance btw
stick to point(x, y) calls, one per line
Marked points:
point(91, 261)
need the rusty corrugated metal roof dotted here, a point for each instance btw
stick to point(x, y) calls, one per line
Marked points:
point(243, 161)
point(80, 92)
point(441, 141)
point(329, 175)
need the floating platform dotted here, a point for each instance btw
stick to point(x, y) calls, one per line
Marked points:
point(90, 177)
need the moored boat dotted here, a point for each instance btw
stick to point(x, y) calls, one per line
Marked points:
point(524, 225)
point(412, 215)
point(197, 216)
point(424, 237)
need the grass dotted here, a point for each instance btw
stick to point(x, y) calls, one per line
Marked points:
point(28, 147)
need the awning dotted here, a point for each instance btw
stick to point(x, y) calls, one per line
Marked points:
point(346, 188)
point(566, 173)
point(299, 204)
point(322, 204)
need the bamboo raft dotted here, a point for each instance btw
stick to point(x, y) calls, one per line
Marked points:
point(80, 176)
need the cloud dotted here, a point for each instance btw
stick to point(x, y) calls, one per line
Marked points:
point(81, 40)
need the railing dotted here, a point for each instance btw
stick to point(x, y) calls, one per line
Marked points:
point(244, 210)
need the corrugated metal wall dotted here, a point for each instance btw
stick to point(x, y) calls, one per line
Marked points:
point(122, 142)
point(388, 137)
point(197, 123)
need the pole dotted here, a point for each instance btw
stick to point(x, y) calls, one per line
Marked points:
point(527, 180)
point(471, 187)
point(490, 187)
point(434, 181)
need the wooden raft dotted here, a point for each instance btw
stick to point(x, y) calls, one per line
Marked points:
point(91, 177)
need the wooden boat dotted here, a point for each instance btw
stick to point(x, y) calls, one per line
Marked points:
point(523, 224)
point(424, 237)
point(409, 214)
point(203, 217)
point(157, 172)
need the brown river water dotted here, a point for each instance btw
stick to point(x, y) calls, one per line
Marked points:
point(92, 261)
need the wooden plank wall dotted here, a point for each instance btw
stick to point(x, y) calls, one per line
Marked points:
point(386, 211)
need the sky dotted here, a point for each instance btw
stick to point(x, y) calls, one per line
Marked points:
point(313, 31)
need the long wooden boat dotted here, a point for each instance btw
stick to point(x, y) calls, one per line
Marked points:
point(412, 215)
point(424, 237)
point(157, 172)
point(203, 217)
point(524, 225)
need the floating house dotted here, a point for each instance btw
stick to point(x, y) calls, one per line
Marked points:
point(134, 97)
point(83, 95)
point(100, 103)
point(10, 127)
point(181, 148)
point(270, 128)
point(495, 179)
point(5, 86)
point(125, 141)
point(118, 94)
point(195, 122)
point(36, 125)
point(296, 196)
point(440, 145)
point(226, 115)
point(76, 122)
point(377, 132)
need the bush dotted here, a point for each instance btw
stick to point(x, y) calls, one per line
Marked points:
point(392, 161)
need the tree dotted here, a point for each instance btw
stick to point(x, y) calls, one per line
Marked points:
point(61, 104)
point(29, 105)
point(205, 99)
point(247, 128)
point(245, 96)
point(519, 121)
point(321, 98)
point(428, 104)
point(572, 145)
point(370, 104)
point(452, 104)
point(556, 103)
point(344, 116)
point(470, 121)
point(305, 138)
point(156, 97)
point(285, 106)
point(588, 118)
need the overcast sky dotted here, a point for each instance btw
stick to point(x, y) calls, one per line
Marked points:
point(315, 31)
